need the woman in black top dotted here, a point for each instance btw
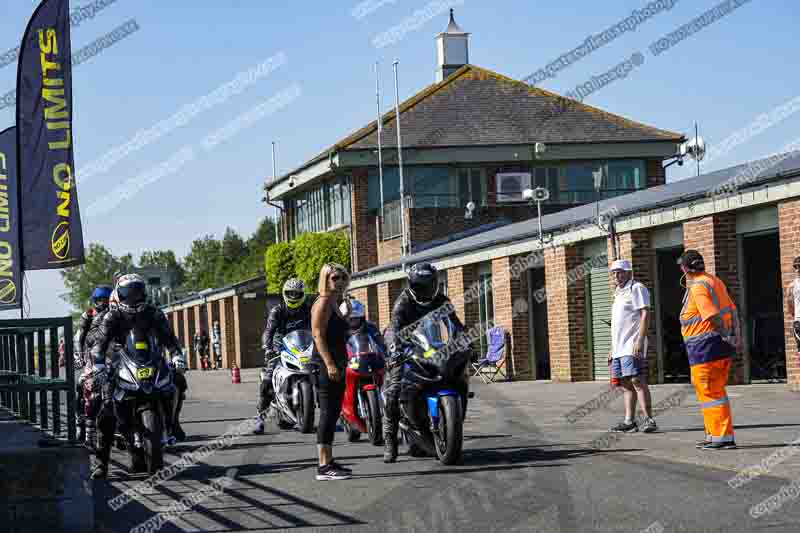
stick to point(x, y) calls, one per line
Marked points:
point(329, 328)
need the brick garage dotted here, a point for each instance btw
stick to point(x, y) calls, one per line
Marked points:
point(511, 310)
point(789, 231)
point(715, 238)
point(570, 356)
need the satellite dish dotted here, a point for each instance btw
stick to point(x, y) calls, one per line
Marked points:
point(695, 148)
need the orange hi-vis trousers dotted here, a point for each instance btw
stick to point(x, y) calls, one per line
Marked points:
point(709, 381)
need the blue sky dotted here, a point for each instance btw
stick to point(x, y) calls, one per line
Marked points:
point(722, 77)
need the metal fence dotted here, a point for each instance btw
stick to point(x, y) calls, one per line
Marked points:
point(31, 385)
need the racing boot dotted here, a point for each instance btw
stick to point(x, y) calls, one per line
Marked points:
point(389, 440)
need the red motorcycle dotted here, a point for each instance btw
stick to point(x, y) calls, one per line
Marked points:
point(362, 408)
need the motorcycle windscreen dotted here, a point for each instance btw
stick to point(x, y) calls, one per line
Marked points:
point(298, 341)
point(143, 349)
point(435, 340)
point(366, 349)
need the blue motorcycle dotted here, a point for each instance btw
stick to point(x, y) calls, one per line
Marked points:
point(434, 390)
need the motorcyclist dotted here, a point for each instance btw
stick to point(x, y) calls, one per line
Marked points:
point(201, 342)
point(87, 331)
point(128, 309)
point(359, 323)
point(291, 314)
point(420, 298)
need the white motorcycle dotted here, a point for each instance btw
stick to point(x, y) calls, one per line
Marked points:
point(294, 402)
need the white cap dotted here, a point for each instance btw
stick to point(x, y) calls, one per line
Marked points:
point(621, 264)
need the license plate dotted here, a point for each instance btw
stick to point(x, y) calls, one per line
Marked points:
point(144, 373)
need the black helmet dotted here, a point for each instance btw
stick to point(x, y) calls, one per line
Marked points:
point(693, 261)
point(423, 283)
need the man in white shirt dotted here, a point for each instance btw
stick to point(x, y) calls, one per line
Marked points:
point(630, 317)
point(793, 300)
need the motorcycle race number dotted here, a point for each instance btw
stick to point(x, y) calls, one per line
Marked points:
point(144, 373)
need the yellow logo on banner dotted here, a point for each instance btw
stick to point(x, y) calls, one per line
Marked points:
point(60, 240)
point(8, 291)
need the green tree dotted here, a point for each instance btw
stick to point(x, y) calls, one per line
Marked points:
point(312, 250)
point(163, 259)
point(279, 265)
point(99, 269)
point(204, 264)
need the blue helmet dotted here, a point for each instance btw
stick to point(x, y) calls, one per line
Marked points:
point(102, 292)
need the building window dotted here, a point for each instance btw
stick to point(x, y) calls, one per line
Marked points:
point(443, 282)
point(472, 187)
point(322, 208)
point(574, 183)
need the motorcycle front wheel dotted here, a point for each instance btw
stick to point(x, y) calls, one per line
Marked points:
point(374, 420)
point(153, 427)
point(306, 407)
point(449, 438)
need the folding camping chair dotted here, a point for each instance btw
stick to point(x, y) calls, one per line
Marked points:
point(495, 359)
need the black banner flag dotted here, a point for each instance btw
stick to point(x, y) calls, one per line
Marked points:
point(51, 225)
point(10, 272)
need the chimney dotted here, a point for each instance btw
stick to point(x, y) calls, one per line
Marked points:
point(452, 49)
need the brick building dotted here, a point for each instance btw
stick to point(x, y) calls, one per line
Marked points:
point(479, 137)
point(240, 310)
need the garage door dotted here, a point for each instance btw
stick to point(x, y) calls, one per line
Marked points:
point(600, 320)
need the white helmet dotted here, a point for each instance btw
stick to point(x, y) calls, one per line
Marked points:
point(130, 294)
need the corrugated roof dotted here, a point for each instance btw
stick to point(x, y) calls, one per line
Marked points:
point(655, 197)
point(477, 107)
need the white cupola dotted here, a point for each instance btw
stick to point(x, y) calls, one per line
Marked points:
point(452, 49)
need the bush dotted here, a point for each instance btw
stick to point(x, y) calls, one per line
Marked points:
point(312, 250)
point(279, 264)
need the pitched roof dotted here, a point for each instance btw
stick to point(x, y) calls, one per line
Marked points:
point(477, 107)
point(751, 174)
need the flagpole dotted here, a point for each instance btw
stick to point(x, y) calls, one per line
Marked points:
point(380, 130)
point(404, 240)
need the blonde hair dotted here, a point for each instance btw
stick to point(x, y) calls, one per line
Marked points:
point(325, 273)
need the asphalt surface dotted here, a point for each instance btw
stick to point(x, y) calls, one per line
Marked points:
point(524, 469)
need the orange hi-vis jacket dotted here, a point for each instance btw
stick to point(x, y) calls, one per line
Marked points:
point(706, 296)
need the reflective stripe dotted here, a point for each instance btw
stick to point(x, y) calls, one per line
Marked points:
point(724, 438)
point(726, 332)
point(714, 403)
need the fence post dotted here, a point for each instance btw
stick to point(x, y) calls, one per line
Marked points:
point(43, 422)
point(31, 373)
point(70, 369)
point(54, 374)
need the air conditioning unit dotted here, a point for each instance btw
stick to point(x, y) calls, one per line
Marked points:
point(510, 186)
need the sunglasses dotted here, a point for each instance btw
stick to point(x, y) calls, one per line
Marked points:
point(336, 277)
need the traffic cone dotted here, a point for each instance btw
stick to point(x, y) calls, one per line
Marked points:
point(236, 377)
